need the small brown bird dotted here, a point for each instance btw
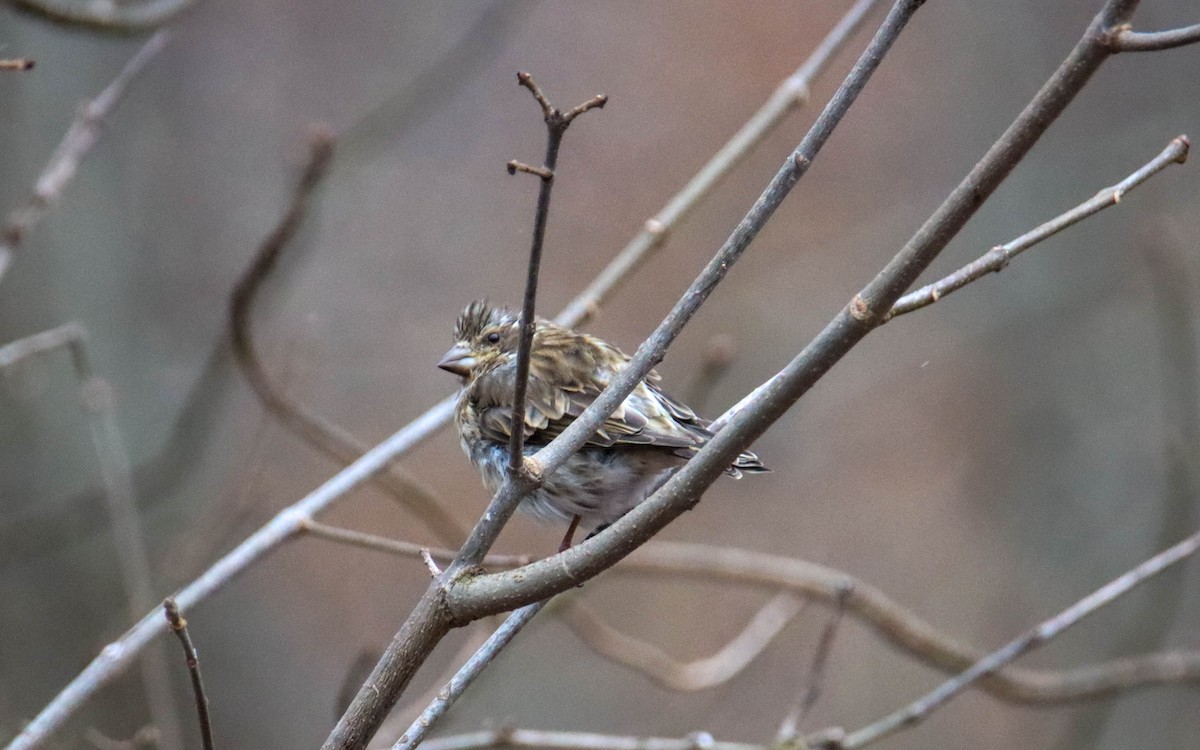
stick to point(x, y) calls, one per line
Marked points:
point(634, 452)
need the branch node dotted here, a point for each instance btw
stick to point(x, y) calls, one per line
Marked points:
point(1185, 145)
point(515, 166)
point(20, 63)
point(861, 311)
point(800, 163)
point(656, 229)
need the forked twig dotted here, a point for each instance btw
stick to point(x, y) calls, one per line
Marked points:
point(557, 123)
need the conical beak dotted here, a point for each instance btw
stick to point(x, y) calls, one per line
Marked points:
point(458, 361)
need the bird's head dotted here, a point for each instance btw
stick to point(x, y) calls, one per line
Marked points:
point(485, 337)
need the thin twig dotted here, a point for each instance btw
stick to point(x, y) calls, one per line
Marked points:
point(325, 436)
point(19, 63)
point(179, 627)
point(403, 549)
point(719, 354)
point(917, 711)
point(556, 127)
point(693, 676)
point(467, 675)
point(996, 259)
point(64, 162)
point(138, 15)
point(536, 739)
point(1128, 40)
point(811, 691)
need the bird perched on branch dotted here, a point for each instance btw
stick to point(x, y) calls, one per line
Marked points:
point(630, 456)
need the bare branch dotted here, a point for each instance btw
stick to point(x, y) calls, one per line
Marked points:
point(1128, 40)
point(403, 549)
point(116, 476)
point(533, 739)
point(179, 627)
point(917, 711)
point(693, 676)
point(789, 96)
point(556, 127)
point(811, 692)
point(996, 259)
point(466, 675)
point(325, 436)
point(138, 15)
point(64, 162)
point(19, 63)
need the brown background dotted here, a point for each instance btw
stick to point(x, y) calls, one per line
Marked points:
point(985, 462)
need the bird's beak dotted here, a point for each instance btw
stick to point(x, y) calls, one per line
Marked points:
point(458, 361)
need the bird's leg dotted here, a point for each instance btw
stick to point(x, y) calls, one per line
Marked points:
point(570, 536)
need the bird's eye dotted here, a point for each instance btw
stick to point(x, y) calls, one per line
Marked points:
point(493, 338)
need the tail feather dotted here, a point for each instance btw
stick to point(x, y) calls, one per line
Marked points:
point(748, 462)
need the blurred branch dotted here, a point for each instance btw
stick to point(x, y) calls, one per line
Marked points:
point(811, 690)
point(1128, 40)
point(96, 395)
point(919, 710)
point(719, 354)
point(693, 676)
point(557, 123)
point(463, 678)
point(179, 627)
point(996, 259)
point(108, 15)
point(64, 162)
point(789, 96)
point(325, 436)
point(895, 624)
point(456, 597)
point(20, 63)
point(534, 739)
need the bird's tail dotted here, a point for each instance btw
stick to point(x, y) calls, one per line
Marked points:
point(746, 462)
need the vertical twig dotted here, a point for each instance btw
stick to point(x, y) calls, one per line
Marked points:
point(116, 476)
point(179, 627)
point(557, 123)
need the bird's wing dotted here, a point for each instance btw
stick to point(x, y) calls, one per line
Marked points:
point(560, 388)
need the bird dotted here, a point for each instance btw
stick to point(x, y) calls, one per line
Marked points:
point(632, 454)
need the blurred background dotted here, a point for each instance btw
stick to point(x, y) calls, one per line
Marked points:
point(985, 462)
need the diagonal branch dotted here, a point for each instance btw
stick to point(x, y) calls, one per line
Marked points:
point(465, 676)
point(917, 711)
point(996, 259)
point(64, 162)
